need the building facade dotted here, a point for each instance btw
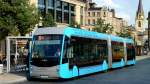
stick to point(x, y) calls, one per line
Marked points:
point(63, 11)
point(139, 28)
point(94, 13)
point(139, 20)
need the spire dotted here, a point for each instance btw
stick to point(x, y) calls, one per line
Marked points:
point(140, 7)
point(140, 11)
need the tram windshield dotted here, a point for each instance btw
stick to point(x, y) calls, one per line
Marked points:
point(46, 50)
point(47, 46)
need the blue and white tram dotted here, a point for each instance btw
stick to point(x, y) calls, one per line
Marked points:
point(69, 52)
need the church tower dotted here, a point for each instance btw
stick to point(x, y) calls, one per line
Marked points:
point(139, 20)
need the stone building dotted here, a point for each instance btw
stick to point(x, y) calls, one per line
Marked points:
point(94, 13)
point(139, 28)
point(139, 20)
point(63, 11)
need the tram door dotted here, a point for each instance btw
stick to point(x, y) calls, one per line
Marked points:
point(69, 56)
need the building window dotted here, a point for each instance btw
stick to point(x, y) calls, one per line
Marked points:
point(59, 16)
point(51, 11)
point(72, 8)
point(66, 17)
point(139, 24)
point(59, 4)
point(81, 20)
point(72, 17)
point(81, 10)
point(50, 3)
point(42, 11)
point(98, 14)
point(89, 22)
point(104, 14)
point(94, 21)
point(89, 14)
point(41, 2)
point(66, 6)
point(93, 14)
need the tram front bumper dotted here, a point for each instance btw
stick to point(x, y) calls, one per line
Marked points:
point(44, 72)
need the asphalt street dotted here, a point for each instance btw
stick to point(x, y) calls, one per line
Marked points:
point(137, 74)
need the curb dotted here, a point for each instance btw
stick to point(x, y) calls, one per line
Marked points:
point(138, 58)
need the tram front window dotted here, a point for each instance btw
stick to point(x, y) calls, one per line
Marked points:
point(46, 50)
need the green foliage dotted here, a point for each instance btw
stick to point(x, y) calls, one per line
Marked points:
point(17, 17)
point(102, 27)
point(74, 24)
point(7, 27)
point(48, 21)
point(125, 33)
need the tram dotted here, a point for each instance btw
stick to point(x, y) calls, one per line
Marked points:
point(69, 52)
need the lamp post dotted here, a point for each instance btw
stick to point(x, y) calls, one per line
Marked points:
point(148, 30)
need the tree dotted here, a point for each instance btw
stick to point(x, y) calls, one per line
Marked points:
point(125, 33)
point(103, 27)
point(48, 21)
point(7, 25)
point(17, 17)
point(26, 16)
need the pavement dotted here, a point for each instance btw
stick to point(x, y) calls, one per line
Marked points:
point(12, 78)
point(9, 78)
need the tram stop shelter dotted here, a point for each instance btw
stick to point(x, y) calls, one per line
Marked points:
point(15, 49)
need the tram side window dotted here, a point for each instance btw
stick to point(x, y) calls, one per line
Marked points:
point(117, 51)
point(88, 52)
point(130, 52)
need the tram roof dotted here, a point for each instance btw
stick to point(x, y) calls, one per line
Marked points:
point(116, 38)
point(84, 33)
point(90, 34)
point(129, 41)
point(69, 31)
point(49, 30)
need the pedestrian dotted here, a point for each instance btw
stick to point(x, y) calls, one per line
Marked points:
point(4, 61)
point(0, 62)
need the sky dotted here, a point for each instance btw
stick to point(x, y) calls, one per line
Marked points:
point(126, 8)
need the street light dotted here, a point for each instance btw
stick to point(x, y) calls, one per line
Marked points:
point(148, 30)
